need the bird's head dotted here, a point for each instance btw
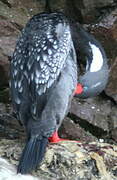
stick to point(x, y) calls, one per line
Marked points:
point(92, 83)
point(95, 76)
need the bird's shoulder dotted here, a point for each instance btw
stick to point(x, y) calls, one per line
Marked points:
point(42, 50)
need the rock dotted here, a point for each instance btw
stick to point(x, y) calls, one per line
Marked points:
point(18, 12)
point(109, 22)
point(57, 5)
point(4, 94)
point(113, 124)
point(111, 89)
point(8, 36)
point(97, 117)
point(96, 4)
point(92, 10)
point(9, 125)
point(4, 69)
point(2, 109)
point(67, 160)
point(114, 134)
point(93, 110)
point(83, 11)
point(73, 131)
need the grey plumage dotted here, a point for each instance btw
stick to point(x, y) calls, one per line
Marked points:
point(92, 55)
point(44, 76)
point(42, 81)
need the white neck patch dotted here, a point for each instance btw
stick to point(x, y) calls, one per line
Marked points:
point(97, 61)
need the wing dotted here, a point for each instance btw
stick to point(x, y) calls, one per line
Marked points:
point(49, 48)
point(18, 82)
point(40, 55)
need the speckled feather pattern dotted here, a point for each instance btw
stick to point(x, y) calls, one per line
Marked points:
point(43, 78)
point(41, 52)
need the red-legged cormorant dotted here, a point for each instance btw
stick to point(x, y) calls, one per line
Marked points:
point(43, 79)
point(43, 74)
point(90, 53)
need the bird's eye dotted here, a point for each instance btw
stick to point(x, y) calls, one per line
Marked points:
point(85, 88)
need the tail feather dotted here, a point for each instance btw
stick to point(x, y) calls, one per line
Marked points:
point(32, 154)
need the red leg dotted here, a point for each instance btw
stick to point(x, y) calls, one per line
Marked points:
point(79, 89)
point(55, 138)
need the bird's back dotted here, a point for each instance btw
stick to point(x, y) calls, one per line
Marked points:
point(43, 79)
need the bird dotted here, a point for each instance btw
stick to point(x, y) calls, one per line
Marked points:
point(92, 57)
point(43, 77)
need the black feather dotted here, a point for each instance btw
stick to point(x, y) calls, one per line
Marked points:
point(32, 155)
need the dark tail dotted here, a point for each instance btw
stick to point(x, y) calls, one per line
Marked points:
point(32, 155)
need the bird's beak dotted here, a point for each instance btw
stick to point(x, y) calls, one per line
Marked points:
point(79, 89)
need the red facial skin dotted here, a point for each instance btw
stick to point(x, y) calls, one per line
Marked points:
point(55, 138)
point(79, 89)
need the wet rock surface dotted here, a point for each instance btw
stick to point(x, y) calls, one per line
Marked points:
point(87, 159)
point(68, 160)
point(89, 120)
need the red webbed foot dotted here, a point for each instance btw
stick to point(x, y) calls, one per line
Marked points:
point(55, 138)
